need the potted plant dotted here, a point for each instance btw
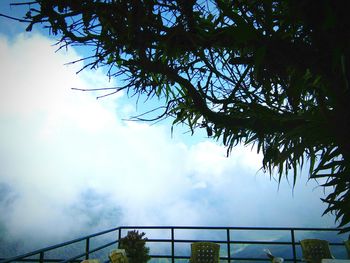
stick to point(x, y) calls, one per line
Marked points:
point(134, 244)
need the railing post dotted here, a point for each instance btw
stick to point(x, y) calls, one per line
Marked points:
point(228, 245)
point(87, 248)
point(119, 235)
point(41, 257)
point(293, 245)
point(172, 246)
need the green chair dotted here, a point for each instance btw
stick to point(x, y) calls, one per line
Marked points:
point(205, 252)
point(118, 256)
point(91, 261)
point(314, 250)
point(347, 246)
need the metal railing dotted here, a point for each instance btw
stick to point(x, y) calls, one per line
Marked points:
point(232, 240)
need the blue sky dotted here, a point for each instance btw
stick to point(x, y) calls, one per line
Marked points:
point(71, 165)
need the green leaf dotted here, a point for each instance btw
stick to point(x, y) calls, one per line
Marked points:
point(110, 59)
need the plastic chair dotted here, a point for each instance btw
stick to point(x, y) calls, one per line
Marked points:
point(347, 246)
point(205, 252)
point(314, 250)
point(118, 256)
point(90, 261)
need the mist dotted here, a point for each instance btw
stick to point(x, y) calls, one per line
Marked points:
point(70, 165)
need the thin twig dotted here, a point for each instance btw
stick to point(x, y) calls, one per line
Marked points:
point(98, 89)
point(24, 3)
point(106, 95)
point(15, 18)
point(116, 90)
point(78, 60)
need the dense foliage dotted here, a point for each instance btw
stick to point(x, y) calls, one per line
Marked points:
point(270, 73)
point(134, 244)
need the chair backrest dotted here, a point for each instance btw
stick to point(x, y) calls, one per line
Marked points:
point(347, 246)
point(314, 250)
point(118, 256)
point(90, 261)
point(205, 252)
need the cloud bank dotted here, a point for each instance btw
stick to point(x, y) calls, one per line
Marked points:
point(70, 166)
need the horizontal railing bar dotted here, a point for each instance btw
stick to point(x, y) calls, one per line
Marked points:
point(261, 242)
point(233, 228)
point(58, 245)
point(161, 256)
point(224, 258)
point(90, 252)
point(184, 240)
point(258, 259)
point(219, 241)
point(275, 243)
point(231, 242)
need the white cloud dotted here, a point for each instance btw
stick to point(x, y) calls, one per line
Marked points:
point(70, 161)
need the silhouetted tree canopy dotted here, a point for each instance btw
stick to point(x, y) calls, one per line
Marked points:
point(270, 73)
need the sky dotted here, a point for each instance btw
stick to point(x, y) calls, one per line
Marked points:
point(71, 165)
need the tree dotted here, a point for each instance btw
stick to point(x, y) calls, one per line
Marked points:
point(134, 244)
point(274, 74)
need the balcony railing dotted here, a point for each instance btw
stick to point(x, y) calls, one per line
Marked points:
point(172, 244)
